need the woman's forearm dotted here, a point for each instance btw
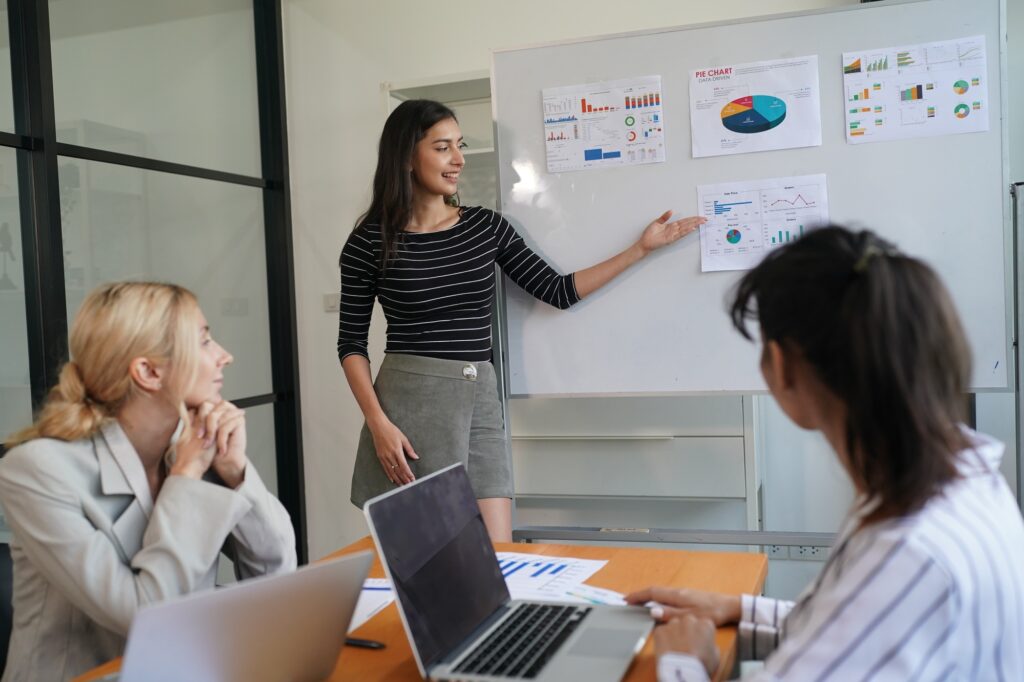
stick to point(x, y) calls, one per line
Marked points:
point(593, 278)
point(357, 372)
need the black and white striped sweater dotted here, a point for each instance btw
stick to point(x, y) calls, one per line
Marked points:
point(438, 292)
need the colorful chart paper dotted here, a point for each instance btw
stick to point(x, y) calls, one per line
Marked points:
point(746, 220)
point(916, 90)
point(610, 123)
point(755, 107)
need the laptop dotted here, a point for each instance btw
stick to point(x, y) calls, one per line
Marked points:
point(455, 606)
point(283, 627)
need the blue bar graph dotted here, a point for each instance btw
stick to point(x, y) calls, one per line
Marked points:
point(612, 155)
point(592, 154)
point(725, 208)
point(510, 567)
point(538, 568)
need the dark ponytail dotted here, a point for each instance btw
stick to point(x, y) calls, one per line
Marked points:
point(881, 332)
point(391, 204)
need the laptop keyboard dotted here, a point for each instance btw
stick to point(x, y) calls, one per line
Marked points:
point(525, 641)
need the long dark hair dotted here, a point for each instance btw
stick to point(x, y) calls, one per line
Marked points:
point(880, 330)
point(391, 205)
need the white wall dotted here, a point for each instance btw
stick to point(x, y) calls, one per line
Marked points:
point(337, 54)
point(1015, 64)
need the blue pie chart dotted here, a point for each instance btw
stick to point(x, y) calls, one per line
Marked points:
point(753, 114)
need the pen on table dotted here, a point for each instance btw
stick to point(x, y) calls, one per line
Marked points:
point(363, 643)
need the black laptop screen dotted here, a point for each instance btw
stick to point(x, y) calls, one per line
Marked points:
point(435, 544)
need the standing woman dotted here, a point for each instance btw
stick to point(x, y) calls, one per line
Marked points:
point(430, 263)
point(926, 577)
point(131, 482)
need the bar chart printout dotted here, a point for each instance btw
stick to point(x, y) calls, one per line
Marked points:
point(918, 90)
point(610, 123)
point(538, 577)
point(746, 220)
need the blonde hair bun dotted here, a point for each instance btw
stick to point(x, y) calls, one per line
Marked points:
point(117, 323)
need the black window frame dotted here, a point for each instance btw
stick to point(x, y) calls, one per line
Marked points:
point(37, 147)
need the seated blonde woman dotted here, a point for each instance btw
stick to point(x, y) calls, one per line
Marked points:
point(130, 484)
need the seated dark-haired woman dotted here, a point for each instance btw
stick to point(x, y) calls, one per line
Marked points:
point(926, 577)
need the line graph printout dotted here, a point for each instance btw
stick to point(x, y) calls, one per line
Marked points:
point(919, 90)
point(755, 107)
point(538, 577)
point(608, 123)
point(746, 220)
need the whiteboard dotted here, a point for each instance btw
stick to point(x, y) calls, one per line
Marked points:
point(662, 326)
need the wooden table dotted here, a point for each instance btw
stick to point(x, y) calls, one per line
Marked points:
point(627, 569)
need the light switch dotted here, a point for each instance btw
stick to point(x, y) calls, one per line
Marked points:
point(332, 303)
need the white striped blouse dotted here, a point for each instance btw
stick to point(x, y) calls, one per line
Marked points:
point(438, 293)
point(936, 595)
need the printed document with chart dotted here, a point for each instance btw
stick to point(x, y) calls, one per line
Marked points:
point(747, 220)
point(755, 107)
point(607, 123)
point(537, 577)
point(922, 90)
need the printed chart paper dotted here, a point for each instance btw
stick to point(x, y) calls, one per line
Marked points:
point(538, 577)
point(611, 123)
point(746, 220)
point(755, 107)
point(916, 90)
point(588, 594)
point(377, 593)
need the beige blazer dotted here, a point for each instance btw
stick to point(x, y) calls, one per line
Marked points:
point(90, 546)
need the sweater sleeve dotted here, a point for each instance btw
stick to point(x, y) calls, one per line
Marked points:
point(530, 271)
point(190, 521)
point(263, 541)
point(359, 272)
point(760, 626)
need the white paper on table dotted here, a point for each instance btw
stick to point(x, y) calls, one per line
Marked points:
point(542, 578)
point(588, 594)
point(375, 595)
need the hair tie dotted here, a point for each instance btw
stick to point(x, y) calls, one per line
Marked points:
point(871, 251)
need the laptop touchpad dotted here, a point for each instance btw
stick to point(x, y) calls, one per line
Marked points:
point(605, 643)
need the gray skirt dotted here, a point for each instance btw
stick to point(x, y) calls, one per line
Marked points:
point(450, 412)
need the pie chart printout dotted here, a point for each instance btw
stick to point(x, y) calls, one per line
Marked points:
point(753, 114)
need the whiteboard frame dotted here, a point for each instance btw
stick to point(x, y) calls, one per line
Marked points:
point(1000, 127)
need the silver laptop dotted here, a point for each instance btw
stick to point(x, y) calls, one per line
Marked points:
point(456, 608)
point(284, 627)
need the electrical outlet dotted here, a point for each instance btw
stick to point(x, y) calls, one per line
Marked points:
point(776, 551)
point(808, 553)
point(332, 303)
